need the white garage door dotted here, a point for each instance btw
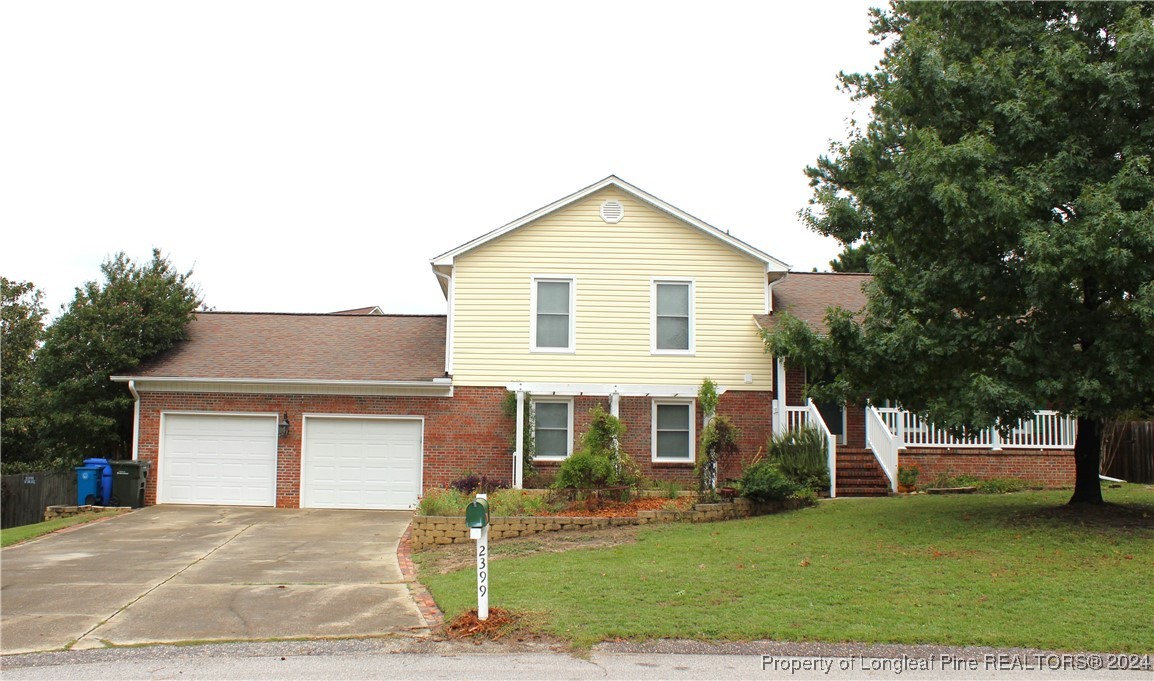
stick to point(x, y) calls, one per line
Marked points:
point(361, 463)
point(216, 459)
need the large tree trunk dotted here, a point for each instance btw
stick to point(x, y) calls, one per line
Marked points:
point(1087, 459)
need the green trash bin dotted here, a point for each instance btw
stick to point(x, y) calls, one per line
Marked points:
point(129, 479)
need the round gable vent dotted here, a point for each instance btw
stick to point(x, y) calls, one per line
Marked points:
point(612, 212)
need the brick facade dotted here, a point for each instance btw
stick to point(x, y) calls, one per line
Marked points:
point(750, 412)
point(1048, 467)
point(467, 433)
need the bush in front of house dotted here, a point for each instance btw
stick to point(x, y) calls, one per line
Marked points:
point(478, 484)
point(802, 456)
point(599, 462)
point(502, 503)
point(763, 482)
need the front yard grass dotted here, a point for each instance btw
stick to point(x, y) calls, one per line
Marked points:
point(16, 535)
point(1016, 570)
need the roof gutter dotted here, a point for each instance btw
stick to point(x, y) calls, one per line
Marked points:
point(433, 383)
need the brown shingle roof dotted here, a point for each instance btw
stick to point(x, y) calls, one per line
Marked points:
point(307, 347)
point(807, 295)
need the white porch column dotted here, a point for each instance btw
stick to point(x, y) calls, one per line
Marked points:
point(615, 403)
point(780, 420)
point(995, 439)
point(519, 454)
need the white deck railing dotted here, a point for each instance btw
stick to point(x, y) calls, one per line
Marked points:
point(1046, 430)
point(884, 444)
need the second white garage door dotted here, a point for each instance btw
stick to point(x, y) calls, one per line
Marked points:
point(361, 462)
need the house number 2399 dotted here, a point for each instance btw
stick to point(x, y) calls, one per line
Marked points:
point(482, 571)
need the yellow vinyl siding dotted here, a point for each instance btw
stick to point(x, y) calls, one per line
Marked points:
point(613, 266)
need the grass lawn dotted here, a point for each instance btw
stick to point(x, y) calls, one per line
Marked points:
point(998, 570)
point(15, 535)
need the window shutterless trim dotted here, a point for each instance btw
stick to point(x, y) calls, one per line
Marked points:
point(692, 406)
point(692, 294)
point(557, 278)
point(568, 426)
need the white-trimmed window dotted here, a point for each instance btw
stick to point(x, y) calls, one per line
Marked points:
point(673, 432)
point(552, 428)
point(552, 324)
point(672, 316)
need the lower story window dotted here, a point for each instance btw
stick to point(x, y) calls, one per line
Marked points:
point(673, 431)
point(553, 428)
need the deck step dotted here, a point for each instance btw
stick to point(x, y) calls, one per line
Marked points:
point(859, 474)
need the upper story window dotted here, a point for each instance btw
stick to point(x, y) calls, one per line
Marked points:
point(673, 430)
point(672, 322)
point(553, 325)
point(552, 428)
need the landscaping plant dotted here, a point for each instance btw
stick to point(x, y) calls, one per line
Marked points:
point(599, 462)
point(801, 455)
point(764, 482)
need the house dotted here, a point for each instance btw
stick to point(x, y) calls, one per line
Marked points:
point(608, 296)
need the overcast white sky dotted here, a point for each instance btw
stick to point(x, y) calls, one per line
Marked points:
point(313, 156)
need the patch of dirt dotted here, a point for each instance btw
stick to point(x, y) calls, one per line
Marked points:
point(458, 556)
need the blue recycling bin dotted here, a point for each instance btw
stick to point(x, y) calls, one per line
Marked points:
point(105, 492)
point(88, 485)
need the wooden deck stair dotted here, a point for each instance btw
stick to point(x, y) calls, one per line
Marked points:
point(859, 474)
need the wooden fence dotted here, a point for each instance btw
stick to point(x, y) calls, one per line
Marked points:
point(24, 497)
point(1128, 450)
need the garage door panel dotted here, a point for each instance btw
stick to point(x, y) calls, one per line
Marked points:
point(361, 463)
point(219, 459)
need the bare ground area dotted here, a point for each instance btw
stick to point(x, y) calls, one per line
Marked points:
point(458, 556)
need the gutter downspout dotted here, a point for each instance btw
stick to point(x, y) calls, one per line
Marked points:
point(779, 424)
point(135, 420)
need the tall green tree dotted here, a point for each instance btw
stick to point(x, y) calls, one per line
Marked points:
point(852, 258)
point(21, 331)
point(1004, 185)
point(110, 328)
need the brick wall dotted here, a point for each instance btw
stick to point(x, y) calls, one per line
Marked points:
point(1051, 468)
point(750, 412)
point(465, 433)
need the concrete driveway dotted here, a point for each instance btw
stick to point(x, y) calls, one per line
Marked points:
point(208, 573)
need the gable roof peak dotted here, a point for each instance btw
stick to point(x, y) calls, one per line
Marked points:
point(771, 264)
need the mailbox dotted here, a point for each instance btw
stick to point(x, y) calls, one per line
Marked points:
point(477, 513)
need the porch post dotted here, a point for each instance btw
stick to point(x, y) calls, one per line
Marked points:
point(615, 403)
point(995, 439)
point(780, 414)
point(519, 454)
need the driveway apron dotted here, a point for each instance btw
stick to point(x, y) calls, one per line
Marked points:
point(168, 574)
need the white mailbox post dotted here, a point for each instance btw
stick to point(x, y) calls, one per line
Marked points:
point(477, 520)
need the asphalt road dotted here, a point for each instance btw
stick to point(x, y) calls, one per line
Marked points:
point(425, 659)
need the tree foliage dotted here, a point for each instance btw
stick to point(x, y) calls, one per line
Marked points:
point(21, 331)
point(1004, 186)
point(853, 258)
point(110, 328)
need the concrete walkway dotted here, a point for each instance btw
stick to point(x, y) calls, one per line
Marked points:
point(200, 573)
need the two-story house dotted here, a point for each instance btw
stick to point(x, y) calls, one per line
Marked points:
point(608, 296)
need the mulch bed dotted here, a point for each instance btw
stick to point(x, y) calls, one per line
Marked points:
point(466, 625)
point(623, 509)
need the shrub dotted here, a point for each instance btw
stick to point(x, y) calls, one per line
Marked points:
point(801, 455)
point(585, 470)
point(477, 484)
point(908, 475)
point(763, 482)
point(514, 502)
point(447, 501)
point(599, 461)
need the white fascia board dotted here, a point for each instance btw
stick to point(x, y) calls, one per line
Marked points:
point(607, 389)
point(772, 264)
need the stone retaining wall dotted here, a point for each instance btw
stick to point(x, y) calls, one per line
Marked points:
point(441, 530)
